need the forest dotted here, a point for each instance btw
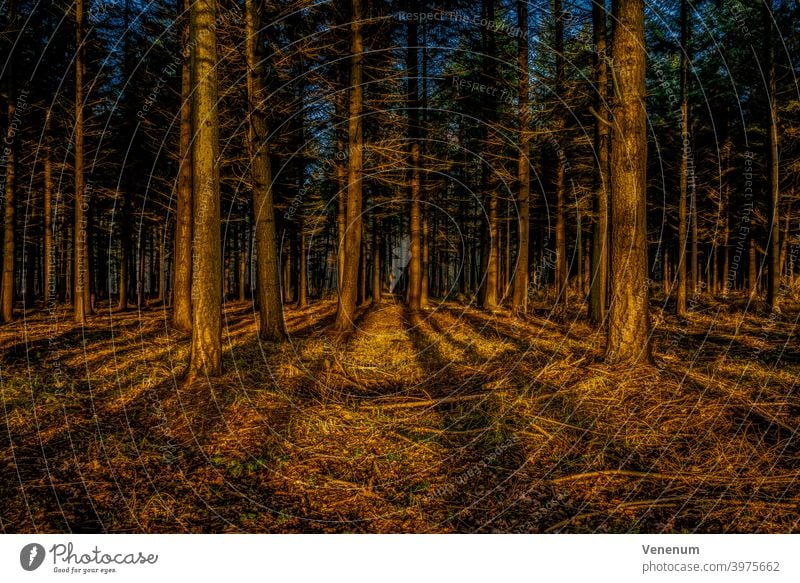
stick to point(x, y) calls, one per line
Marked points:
point(383, 266)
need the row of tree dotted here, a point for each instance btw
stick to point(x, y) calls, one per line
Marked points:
point(183, 153)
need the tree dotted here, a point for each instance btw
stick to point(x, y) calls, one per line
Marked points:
point(271, 326)
point(348, 289)
point(683, 240)
point(599, 260)
point(562, 274)
point(520, 294)
point(182, 270)
point(773, 177)
point(9, 220)
point(81, 299)
point(491, 241)
point(629, 320)
point(206, 356)
point(414, 221)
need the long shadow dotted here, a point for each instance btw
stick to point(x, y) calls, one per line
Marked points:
point(481, 467)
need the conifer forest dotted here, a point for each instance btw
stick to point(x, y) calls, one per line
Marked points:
point(400, 266)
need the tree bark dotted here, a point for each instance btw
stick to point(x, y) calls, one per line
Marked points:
point(352, 240)
point(562, 274)
point(268, 286)
point(182, 282)
point(48, 280)
point(629, 320)
point(752, 276)
point(302, 276)
point(206, 356)
point(491, 243)
point(377, 279)
point(80, 298)
point(773, 178)
point(414, 222)
point(519, 301)
point(683, 241)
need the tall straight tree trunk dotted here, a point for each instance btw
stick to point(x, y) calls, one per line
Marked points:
point(126, 208)
point(9, 220)
point(182, 282)
point(377, 278)
point(287, 274)
point(9, 223)
point(695, 238)
point(773, 181)
point(561, 234)
point(726, 218)
point(683, 241)
point(490, 259)
point(160, 269)
point(629, 320)
point(341, 181)
point(414, 222)
point(206, 357)
point(598, 293)
point(49, 281)
point(242, 262)
point(302, 276)
point(361, 298)
point(519, 300)
point(268, 288)
point(424, 278)
point(423, 134)
point(352, 239)
point(752, 275)
point(80, 297)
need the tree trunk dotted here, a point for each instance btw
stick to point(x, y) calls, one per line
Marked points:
point(519, 301)
point(629, 320)
point(288, 298)
point(377, 280)
point(9, 220)
point(206, 357)
point(80, 297)
point(727, 281)
point(242, 263)
point(773, 178)
point(490, 259)
point(9, 149)
point(414, 222)
point(182, 282)
point(562, 274)
point(695, 239)
point(683, 241)
point(268, 286)
point(341, 181)
point(424, 281)
point(352, 240)
point(49, 280)
point(302, 276)
point(752, 276)
point(160, 269)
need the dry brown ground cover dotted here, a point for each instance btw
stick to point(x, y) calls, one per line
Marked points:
point(453, 420)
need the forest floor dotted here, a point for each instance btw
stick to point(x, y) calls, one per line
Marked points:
point(452, 420)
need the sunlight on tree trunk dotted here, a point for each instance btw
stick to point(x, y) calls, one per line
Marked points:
point(206, 357)
point(348, 292)
point(629, 321)
point(268, 286)
point(520, 293)
point(182, 279)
